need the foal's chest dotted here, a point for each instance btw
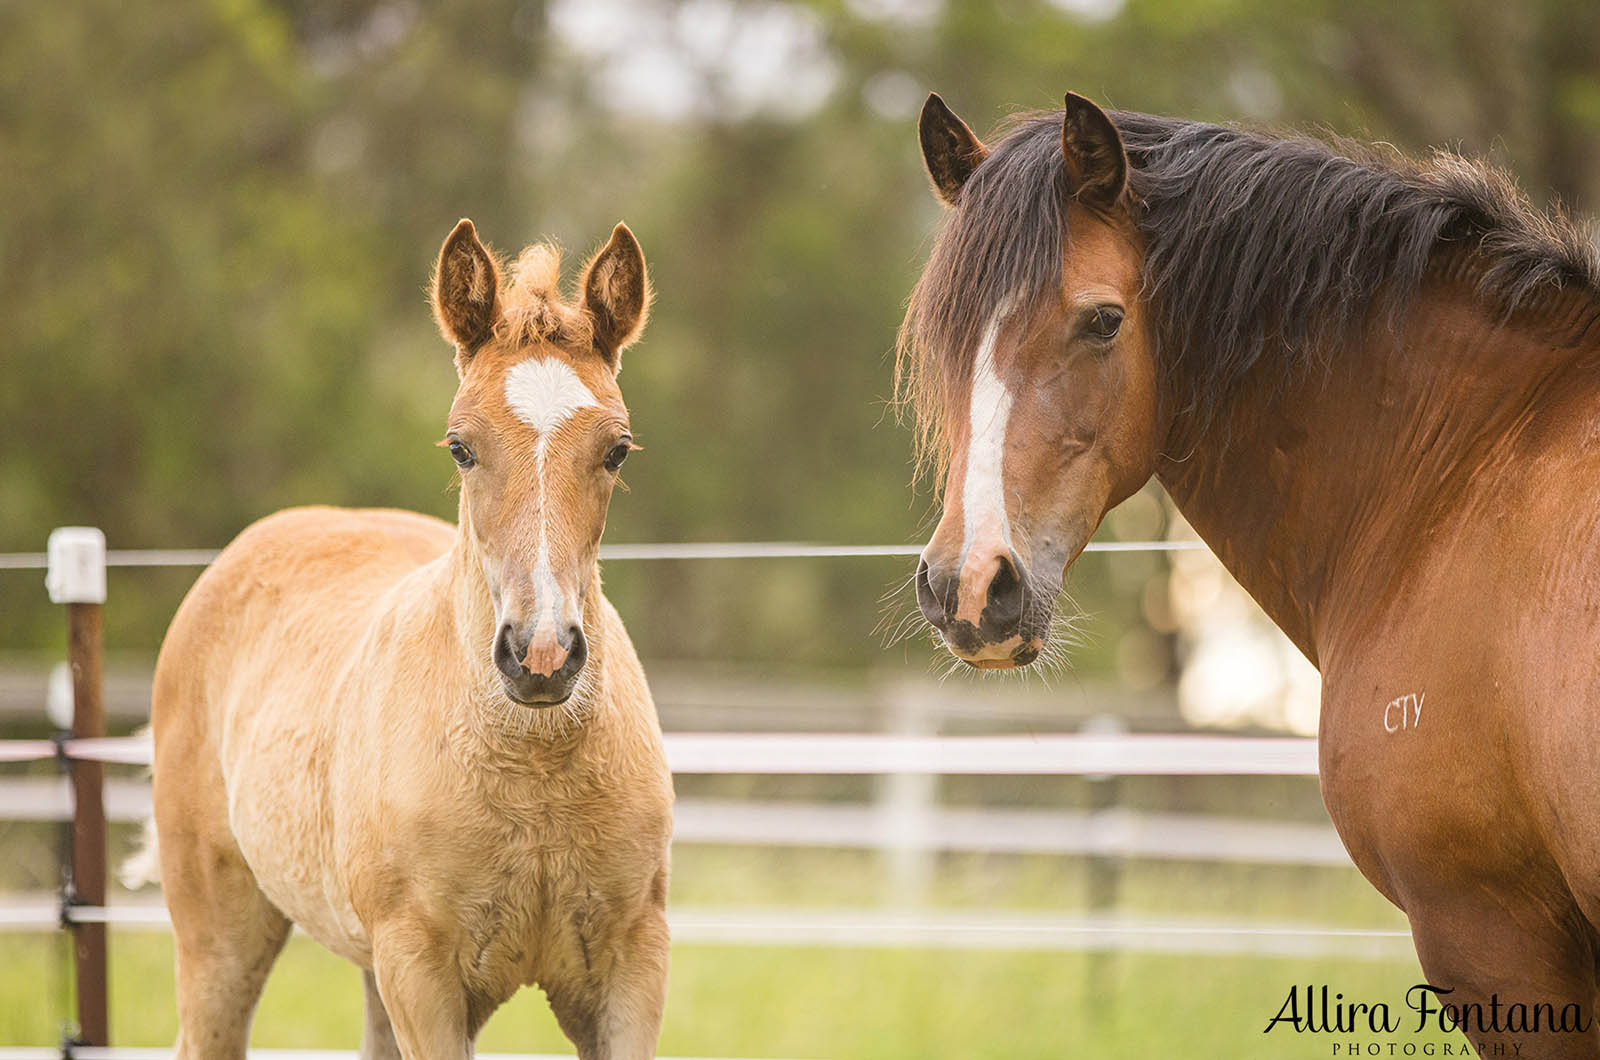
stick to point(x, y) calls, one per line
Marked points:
point(542, 902)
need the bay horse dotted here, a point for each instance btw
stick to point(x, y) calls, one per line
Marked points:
point(1372, 385)
point(431, 746)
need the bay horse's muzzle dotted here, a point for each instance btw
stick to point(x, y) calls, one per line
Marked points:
point(979, 608)
point(543, 673)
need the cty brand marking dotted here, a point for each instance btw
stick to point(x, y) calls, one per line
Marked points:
point(1403, 712)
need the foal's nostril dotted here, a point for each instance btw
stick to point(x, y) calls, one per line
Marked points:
point(540, 669)
point(577, 650)
point(1003, 607)
point(508, 655)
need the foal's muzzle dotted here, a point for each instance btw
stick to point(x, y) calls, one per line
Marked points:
point(979, 608)
point(538, 668)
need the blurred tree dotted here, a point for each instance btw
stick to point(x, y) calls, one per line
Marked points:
point(221, 215)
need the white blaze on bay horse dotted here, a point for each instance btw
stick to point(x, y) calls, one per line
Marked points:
point(430, 746)
point(1372, 385)
point(986, 533)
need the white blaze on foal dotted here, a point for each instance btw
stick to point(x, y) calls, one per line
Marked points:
point(983, 498)
point(544, 393)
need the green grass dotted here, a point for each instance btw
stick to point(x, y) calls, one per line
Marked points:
point(872, 1004)
point(772, 876)
point(736, 1001)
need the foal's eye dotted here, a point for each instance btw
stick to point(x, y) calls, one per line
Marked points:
point(617, 454)
point(1104, 322)
point(460, 454)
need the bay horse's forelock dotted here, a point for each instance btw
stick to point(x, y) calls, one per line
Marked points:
point(1257, 246)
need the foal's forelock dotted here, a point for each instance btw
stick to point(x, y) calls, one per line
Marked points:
point(532, 308)
point(1000, 251)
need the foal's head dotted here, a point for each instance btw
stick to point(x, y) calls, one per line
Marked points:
point(538, 429)
point(1029, 358)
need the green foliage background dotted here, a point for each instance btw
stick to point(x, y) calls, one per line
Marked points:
point(217, 219)
point(220, 215)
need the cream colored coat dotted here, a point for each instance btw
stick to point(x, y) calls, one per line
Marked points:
point(335, 749)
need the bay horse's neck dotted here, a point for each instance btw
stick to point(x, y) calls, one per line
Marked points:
point(1319, 495)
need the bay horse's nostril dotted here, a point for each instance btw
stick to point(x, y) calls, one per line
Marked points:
point(928, 602)
point(1002, 611)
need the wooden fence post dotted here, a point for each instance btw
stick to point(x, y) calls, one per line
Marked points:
point(905, 806)
point(1103, 869)
point(77, 578)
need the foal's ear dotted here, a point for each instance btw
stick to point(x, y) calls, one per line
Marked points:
point(949, 149)
point(1097, 165)
point(466, 290)
point(616, 294)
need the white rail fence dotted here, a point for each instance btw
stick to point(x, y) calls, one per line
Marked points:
point(893, 825)
point(874, 754)
point(1115, 832)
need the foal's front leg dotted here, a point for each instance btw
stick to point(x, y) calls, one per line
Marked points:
point(377, 1039)
point(616, 1015)
point(422, 994)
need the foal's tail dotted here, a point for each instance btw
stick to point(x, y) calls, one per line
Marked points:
point(143, 866)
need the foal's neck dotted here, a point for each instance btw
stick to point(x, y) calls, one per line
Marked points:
point(1318, 496)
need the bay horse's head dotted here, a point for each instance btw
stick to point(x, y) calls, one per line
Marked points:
point(538, 430)
point(1028, 357)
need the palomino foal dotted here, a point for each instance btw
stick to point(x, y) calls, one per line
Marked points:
point(432, 746)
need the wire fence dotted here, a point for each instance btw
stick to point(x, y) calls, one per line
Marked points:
point(83, 752)
point(681, 550)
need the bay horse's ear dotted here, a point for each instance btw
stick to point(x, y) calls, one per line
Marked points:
point(1097, 165)
point(616, 294)
point(466, 290)
point(949, 149)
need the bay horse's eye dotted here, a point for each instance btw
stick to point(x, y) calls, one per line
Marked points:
point(461, 454)
point(1105, 322)
point(618, 454)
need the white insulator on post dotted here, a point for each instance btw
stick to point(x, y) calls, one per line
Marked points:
point(77, 571)
point(58, 701)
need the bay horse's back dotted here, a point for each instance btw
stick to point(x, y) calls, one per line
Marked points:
point(280, 608)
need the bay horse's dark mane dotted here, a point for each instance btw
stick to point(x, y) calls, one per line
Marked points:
point(1256, 245)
